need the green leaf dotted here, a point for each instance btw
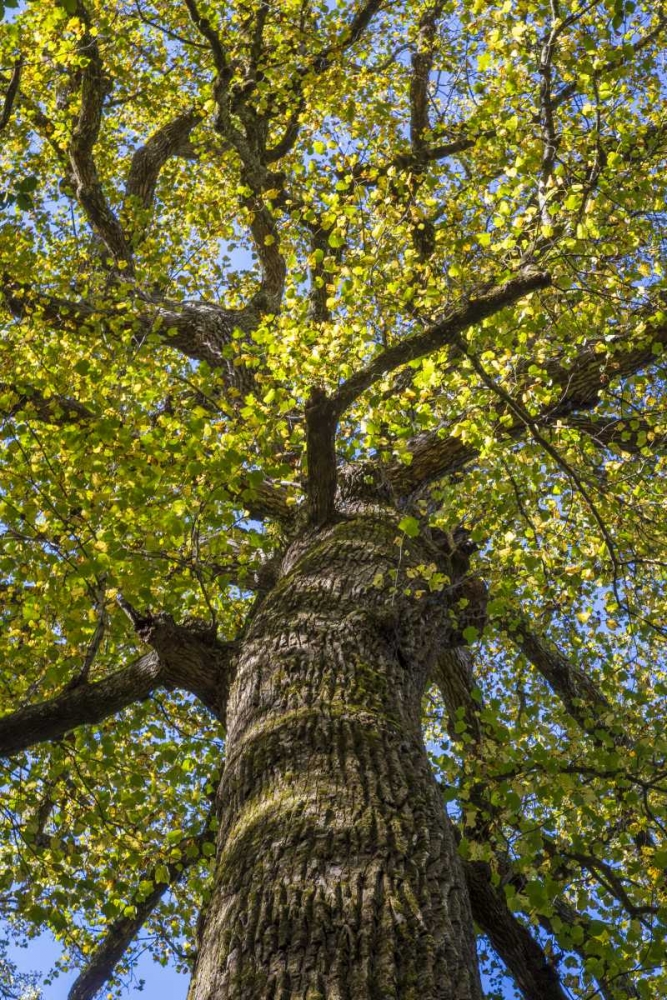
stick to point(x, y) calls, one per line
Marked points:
point(161, 875)
point(409, 525)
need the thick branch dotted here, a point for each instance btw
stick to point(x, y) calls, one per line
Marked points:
point(188, 657)
point(87, 184)
point(173, 139)
point(11, 94)
point(267, 500)
point(452, 675)
point(204, 26)
point(422, 63)
point(192, 658)
point(435, 454)
point(85, 705)
point(439, 335)
point(358, 24)
point(120, 934)
point(199, 330)
point(202, 331)
point(321, 447)
point(578, 692)
point(322, 413)
point(631, 435)
point(55, 409)
point(525, 959)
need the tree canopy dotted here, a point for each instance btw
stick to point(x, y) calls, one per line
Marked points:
point(246, 245)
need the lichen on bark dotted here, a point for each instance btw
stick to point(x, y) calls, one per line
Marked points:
point(338, 875)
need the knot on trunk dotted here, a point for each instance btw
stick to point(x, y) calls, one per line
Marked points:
point(191, 656)
point(364, 482)
point(161, 631)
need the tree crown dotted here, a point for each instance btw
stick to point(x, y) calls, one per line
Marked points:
point(246, 249)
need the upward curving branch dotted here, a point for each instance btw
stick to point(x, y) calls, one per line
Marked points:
point(121, 933)
point(173, 139)
point(187, 657)
point(86, 705)
point(582, 383)
point(323, 412)
point(84, 174)
point(440, 334)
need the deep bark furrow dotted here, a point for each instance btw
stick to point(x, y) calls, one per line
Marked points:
point(338, 875)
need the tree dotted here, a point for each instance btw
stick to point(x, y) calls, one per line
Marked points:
point(333, 423)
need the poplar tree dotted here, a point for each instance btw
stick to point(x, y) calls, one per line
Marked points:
point(332, 494)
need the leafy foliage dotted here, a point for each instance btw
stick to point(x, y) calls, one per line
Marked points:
point(210, 211)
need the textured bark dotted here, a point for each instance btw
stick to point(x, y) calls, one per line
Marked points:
point(337, 874)
point(192, 658)
point(88, 704)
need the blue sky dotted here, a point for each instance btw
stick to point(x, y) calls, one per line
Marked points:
point(43, 952)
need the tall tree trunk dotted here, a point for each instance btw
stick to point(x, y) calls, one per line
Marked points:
point(337, 874)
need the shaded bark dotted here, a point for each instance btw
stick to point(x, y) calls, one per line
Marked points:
point(11, 94)
point(338, 874)
point(188, 657)
point(452, 675)
point(88, 704)
point(192, 657)
point(321, 445)
point(525, 959)
point(122, 931)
